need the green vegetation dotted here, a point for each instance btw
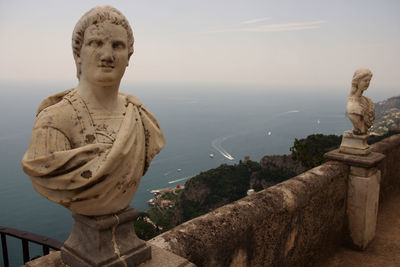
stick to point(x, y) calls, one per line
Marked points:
point(225, 184)
point(145, 230)
point(169, 196)
point(162, 217)
point(274, 175)
point(310, 151)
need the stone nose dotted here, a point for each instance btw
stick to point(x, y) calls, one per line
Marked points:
point(107, 53)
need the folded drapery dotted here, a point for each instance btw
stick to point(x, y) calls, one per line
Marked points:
point(96, 178)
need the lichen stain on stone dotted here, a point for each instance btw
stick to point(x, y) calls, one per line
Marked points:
point(86, 174)
point(89, 138)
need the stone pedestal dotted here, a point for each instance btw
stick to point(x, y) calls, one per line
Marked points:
point(108, 240)
point(362, 204)
point(354, 144)
point(362, 196)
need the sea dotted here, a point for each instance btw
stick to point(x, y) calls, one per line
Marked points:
point(227, 121)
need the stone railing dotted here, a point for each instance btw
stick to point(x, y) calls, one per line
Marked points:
point(390, 167)
point(294, 223)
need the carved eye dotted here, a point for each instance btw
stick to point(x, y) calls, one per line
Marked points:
point(96, 43)
point(118, 45)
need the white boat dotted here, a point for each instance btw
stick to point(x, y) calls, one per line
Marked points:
point(151, 202)
point(269, 133)
point(179, 170)
point(211, 155)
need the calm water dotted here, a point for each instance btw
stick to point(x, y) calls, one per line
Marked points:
point(227, 122)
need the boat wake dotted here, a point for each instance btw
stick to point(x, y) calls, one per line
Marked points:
point(180, 179)
point(287, 112)
point(217, 145)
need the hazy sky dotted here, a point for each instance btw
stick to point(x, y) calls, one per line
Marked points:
point(185, 41)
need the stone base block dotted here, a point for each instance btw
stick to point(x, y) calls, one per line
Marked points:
point(366, 161)
point(362, 206)
point(354, 144)
point(108, 240)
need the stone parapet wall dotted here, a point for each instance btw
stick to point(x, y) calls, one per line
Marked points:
point(390, 166)
point(289, 224)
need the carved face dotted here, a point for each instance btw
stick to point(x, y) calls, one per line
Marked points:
point(364, 83)
point(104, 54)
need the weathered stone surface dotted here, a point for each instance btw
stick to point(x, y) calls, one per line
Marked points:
point(390, 166)
point(53, 259)
point(164, 258)
point(362, 208)
point(108, 240)
point(363, 194)
point(160, 257)
point(363, 172)
point(354, 144)
point(367, 161)
point(290, 224)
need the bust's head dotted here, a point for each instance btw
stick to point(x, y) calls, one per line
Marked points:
point(361, 79)
point(93, 22)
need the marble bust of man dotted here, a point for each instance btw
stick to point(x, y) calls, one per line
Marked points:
point(360, 109)
point(91, 145)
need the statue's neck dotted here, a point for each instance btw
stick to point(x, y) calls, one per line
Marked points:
point(354, 92)
point(99, 96)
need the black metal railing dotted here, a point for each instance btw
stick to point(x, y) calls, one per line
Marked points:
point(26, 237)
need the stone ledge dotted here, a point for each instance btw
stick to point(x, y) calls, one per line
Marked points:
point(367, 161)
point(387, 144)
point(160, 257)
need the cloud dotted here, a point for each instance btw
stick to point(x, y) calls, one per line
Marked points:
point(279, 27)
point(251, 21)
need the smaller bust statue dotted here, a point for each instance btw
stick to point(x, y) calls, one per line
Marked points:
point(360, 109)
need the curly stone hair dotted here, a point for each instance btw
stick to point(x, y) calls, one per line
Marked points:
point(94, 16)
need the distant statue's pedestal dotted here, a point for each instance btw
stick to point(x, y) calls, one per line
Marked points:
point(363, 187)
point(108, 240)
point(354, 144)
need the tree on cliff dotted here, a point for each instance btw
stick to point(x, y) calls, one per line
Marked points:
point(310, 151)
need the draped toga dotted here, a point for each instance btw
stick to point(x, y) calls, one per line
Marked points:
point(70, 165)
